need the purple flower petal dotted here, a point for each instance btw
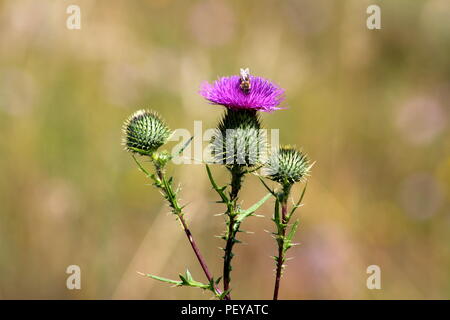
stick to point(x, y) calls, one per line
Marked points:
point(263, 96)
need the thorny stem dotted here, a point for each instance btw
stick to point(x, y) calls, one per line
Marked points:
point(237, 174)
point(179, 212)
point(199, 256)
point(228, 256)
point(283, 198)
point(281, 257)
point(177, 209)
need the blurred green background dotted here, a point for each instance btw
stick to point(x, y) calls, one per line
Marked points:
point(370, 107)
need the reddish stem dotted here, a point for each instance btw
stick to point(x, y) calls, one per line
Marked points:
point(197, 252)
point(194, 246)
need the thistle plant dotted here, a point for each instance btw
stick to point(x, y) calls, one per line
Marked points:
point(286, 166)
point(144, 133)
point(239, 145)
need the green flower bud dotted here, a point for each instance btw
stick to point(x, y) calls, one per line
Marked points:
point(238, 139)
point(144, 132)
point(287, 166)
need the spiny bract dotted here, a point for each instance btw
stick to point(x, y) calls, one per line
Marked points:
point(144, 132)
point(287, 166)
point(238, 139)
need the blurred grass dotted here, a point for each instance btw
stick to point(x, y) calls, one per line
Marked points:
point(371, 107)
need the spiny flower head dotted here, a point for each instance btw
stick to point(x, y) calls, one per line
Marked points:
point(287, 166)
point(144, 132)
point(244, 92)
point(238, 139)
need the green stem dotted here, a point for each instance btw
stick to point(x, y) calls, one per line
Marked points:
point(281, 258)
point(281, 236)
point(237, 175)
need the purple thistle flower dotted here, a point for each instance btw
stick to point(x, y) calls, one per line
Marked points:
point(227, 91)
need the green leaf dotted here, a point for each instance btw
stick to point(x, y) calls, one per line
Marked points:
point(224, 294)
point(185, 145)
point(183, 280)
point(245, 213)
point(256, 206)
point(188, 275)
point(299, 201)
point(254, 169)
point(288, 240)
point(219, 190)
point(293, 230)
point(267, 187)
point(188, 281)
point(177, 283)
point(141, 167)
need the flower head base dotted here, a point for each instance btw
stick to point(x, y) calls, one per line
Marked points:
point(238, 139)
point(250, 92)
point(144, 132)
point(287, 166)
